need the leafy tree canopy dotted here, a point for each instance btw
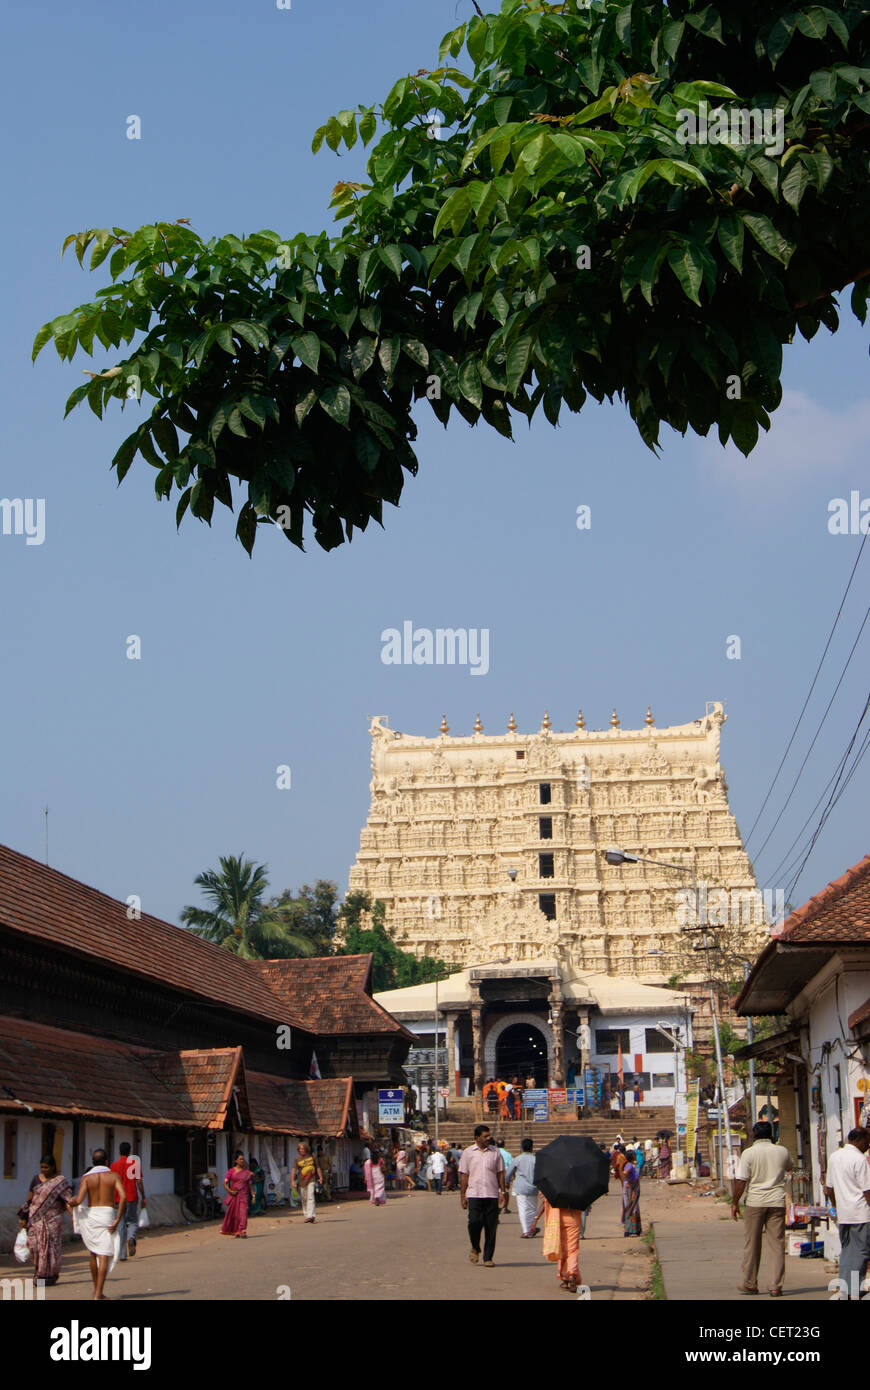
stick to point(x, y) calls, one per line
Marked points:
point(238, 918)
point(562, 236)
point(310, 913)
point(364, 930)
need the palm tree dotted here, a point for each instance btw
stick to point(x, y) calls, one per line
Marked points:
point(237, 917)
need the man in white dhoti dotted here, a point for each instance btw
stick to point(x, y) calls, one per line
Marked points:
point(98, 1223)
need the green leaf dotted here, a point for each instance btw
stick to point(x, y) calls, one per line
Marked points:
point(767, 236)
point(252, 333)
point(306, 346)
point(223, 336)
point(470, 383)
point(166, 437)
point(795, 183)
point(367, 126)
point(392, 258)
point(824, 84)
point(125, 455)
point(518, 356)
point(254, 408)
point(730, 234)
point(672, 33)
point(362, 356)
point(687, 264)
point(388, 354)
point(413, 348)
point(335, 400)
point(812, 23)
point(45, 333)
point(246, 527)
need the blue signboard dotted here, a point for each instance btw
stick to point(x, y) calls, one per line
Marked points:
point(391, 1107)
point(534, 1097)
point(542, 1111)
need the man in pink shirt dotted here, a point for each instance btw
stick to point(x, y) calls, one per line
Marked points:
point(481, 1192)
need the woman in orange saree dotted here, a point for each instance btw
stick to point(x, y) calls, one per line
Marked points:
point(239, 1183)
point(562, 1227)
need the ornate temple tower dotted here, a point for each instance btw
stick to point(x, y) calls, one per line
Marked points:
point(493, 845)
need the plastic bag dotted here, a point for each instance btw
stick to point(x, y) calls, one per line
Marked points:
point(20, 1249)
point(143, 1221)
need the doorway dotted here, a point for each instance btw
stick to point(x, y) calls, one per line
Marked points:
point(521, 1051)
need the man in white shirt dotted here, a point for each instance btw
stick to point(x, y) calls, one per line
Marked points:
point(761, 1174)
point(847, 1186)
point(437, 1163)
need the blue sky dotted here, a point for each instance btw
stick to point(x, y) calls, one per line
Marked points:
point(153, 768)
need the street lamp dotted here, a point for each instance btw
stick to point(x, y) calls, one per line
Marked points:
point(475, 965)
point(618, 856)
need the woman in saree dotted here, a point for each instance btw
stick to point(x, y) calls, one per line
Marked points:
point(375, 1179)
point(665, 1160)
point(631, 1196)
point(240, 1188)
point(562, 1228)
point(43, 1216)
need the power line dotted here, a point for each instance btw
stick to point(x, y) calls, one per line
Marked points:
point(809, 694)
point(835, 794)
point(805, 849)
point(815, 736)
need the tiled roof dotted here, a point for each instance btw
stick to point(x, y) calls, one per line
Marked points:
point(860, 1016)
point(840, 913)
point(204, 1081)
point(58, 1072)
point(43, 903)
point(321, 1108)
point(330, 992)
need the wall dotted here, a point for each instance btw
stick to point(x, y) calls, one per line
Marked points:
point(661, 1062)
point(833, 1075)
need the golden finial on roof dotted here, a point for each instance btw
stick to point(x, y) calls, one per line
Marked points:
point(581, 722)
point(445, 729)
point(512, 724)
point(649, 721)
point(478, 727)
point(614, 720)
point(545, 722)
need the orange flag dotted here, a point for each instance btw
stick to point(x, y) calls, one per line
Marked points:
point(619, 1070)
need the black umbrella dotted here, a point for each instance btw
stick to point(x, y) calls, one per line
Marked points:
point(664, 1133)
point(572, 1172)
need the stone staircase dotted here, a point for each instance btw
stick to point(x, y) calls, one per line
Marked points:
point(644, 1122)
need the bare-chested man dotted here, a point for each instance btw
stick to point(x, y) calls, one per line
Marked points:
point(101, 1188)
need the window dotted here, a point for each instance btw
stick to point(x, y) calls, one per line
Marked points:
point(608, 1040)
point(109, 1143)
point(163, 1143)
point(544, 793)
point(51, 1142)
point(657, 1042)
point(641, 1077)
point(137, 1142)
point(10, 1148)
point(520, 753)
point(545, 827)
point(662, 1079)
point(547, 904)
point(545, 866)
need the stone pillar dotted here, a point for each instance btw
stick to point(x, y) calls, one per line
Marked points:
point(451, 1055)
point(477, 1041)
point(557, 1011)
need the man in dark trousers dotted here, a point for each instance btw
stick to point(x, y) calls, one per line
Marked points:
point(481, 1192)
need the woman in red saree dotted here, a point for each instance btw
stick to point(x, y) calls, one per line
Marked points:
point(239, 1183)
point(45, 1209)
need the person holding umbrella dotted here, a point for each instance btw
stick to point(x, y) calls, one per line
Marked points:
point(570, 1173)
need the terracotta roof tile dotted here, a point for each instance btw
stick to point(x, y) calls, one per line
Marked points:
point(41, 902)
point(331, 993)
point(56, 1071)
point(838, 914)
point(860, 1016)
point(321, 1108)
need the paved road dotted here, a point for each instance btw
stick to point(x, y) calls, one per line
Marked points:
point(414, 1248)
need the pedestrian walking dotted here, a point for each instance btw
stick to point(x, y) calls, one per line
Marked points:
point(42, 1215)
point(240, 1193)
point(562, 1235)
point(761, 1175)
point(451, 1173)
point(306, 1175)
point(664, 1161)
point(631, 1195)
point(481, 1192)
point(438, 1165)
point(522, 1174)
point(636, 1093)
point(375, 1179)
point(98, 1224)
point(129, 1170)
point(258, 1179)
point(507, 1159)
point(847, 1187)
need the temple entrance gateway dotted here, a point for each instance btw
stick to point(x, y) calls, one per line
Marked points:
point(521, 1050)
